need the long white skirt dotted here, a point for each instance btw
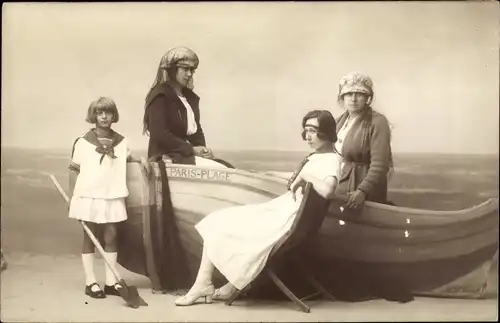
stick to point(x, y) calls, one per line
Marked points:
point(238, 240)
point(98, 210)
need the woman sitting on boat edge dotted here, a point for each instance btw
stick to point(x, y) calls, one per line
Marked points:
point(172, 114)
point(364, 142)
point(238, 240)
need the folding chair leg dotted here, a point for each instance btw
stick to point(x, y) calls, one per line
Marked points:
point(326, 294)
point(303, 307)
point(319, 287)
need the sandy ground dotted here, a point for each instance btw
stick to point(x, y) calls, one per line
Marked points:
point(49, 288)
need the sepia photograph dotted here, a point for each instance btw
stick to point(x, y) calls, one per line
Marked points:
point(250, 161)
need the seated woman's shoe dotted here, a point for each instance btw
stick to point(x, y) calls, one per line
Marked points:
point(194, 294)
point(94, 294)
point(220, 295)
point(112, 290)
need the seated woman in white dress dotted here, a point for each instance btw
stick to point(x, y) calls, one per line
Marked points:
point(238, 240)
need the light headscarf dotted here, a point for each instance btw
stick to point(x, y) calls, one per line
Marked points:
point(179, 56)
point(175, 57)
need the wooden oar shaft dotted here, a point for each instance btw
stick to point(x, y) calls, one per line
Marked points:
point(86, 228)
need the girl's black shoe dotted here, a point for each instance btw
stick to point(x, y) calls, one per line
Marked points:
point(112, 290)
point(91, 293)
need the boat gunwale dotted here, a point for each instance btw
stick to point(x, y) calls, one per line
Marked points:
point(395, 218)
point(493, 201)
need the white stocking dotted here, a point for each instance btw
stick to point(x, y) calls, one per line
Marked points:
point(204, 277)
point(112, 259)
point(88, 268)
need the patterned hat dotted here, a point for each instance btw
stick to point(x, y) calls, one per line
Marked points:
point(356, 82)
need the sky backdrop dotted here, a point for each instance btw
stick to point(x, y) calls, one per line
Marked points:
point(435, 67)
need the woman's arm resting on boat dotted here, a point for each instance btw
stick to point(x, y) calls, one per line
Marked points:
point(324, 186)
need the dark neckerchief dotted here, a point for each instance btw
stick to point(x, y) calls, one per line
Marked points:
point(104, 150)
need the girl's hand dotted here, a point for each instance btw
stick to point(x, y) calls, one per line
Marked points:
point(145, 165)
point(356, 198)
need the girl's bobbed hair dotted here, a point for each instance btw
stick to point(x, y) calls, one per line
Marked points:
point(327, 129)
point(102, 104)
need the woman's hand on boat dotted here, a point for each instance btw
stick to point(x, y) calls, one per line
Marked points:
point(208, 153)
point(356, 199)
point(204, 152)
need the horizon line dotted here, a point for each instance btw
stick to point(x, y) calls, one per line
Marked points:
point(269, 150)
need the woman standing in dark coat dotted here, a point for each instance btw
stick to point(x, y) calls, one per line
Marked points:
point(364, 143)
point(172, 114)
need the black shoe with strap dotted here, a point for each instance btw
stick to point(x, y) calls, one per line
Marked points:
point(113, 289)
point(96, 294)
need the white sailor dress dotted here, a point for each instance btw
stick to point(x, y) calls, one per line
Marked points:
point(101, 187)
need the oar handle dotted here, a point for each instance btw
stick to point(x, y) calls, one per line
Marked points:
point(86, 228)
point(59, 188)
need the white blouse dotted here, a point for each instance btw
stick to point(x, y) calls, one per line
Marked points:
point(192, 127)
point(323, 165)
point(342, 134)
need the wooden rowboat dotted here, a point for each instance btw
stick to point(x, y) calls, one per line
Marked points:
point(440, 253)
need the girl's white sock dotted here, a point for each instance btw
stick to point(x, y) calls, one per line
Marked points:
point(88, 267)
point(112, 259)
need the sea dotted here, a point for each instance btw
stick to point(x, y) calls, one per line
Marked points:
point(426, 181)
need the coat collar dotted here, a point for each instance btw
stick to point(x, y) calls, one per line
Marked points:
point(169, 92)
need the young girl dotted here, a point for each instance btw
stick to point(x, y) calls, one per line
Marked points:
point(98, 184)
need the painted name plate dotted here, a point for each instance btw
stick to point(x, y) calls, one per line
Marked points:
point(198, 173)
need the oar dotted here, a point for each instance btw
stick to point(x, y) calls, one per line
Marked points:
point(128, 293)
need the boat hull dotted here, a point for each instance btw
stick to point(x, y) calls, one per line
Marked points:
point(440, 253)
